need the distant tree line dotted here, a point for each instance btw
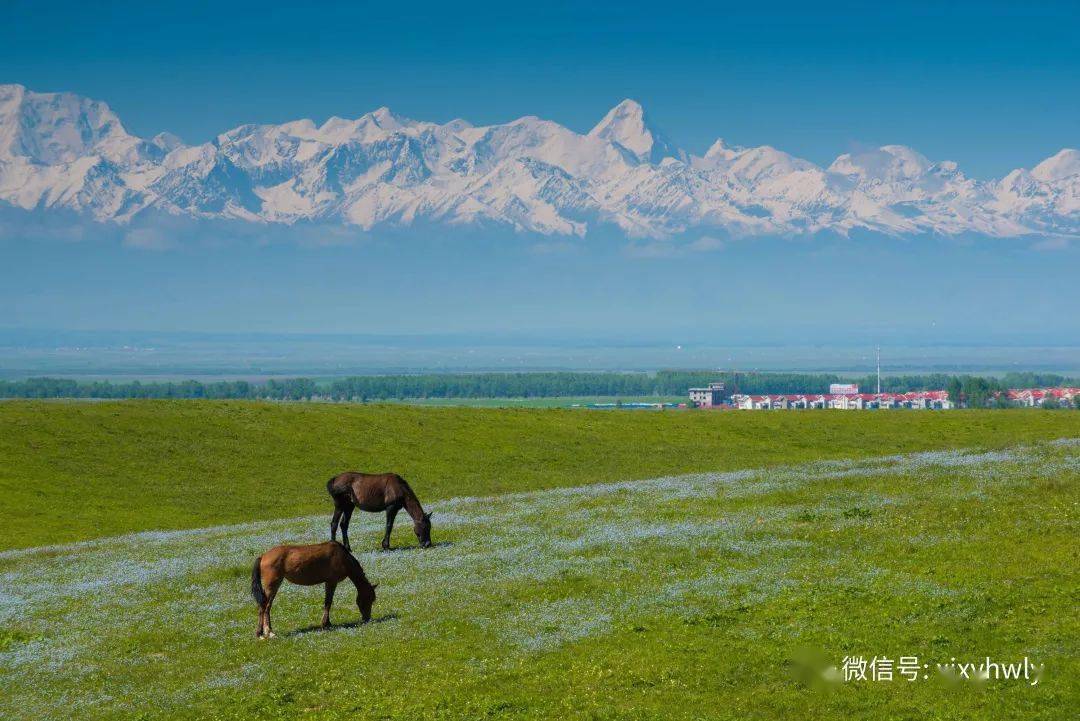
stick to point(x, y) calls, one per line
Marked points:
point(974, 390)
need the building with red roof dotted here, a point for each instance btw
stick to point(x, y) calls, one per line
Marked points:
point(1035, 397)
point(924, 400)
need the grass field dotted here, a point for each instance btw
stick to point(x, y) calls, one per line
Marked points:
point(578, 574)
point(74, 471)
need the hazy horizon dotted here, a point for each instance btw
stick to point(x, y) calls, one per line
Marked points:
point(119, 355)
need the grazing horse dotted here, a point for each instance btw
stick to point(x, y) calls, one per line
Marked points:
point(375, 492)
point(327, 563)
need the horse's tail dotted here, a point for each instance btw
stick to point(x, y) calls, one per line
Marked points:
point(338, 492)
point(256, 583)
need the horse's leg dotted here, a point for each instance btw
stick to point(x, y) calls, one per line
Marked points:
point(391, 512)
point(262, 621)
point(261, 632)
point(346, 517)
point(338, 510)
point(330, 586)
point(270, 593)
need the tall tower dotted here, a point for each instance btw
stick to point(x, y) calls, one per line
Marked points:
point(878, 350)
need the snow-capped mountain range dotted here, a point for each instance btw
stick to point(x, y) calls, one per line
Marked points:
point(63, 151)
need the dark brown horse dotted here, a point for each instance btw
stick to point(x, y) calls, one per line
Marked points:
point(327, 563)
point(376, 492)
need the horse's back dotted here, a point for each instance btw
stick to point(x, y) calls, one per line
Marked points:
point(370, 491)
point(344, 481)
point(310, 564)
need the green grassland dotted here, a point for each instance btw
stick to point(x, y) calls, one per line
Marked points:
point(74, 471)
point(579, 572)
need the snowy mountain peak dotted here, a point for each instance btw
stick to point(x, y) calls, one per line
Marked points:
point(62, 151)
point(59, 127)
point(721, 150)
point(627, 127)
point(627, 111)
point(889, 163)
point(1063, 164)
point(11, 93)
point(167, 141)
point(387, 120)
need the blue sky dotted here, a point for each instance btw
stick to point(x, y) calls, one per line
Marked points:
point(991, 85)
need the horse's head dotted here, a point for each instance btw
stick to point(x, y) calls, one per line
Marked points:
point(365, 599)
point(422, 529)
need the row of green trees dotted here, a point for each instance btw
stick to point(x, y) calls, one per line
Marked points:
point(975, 391)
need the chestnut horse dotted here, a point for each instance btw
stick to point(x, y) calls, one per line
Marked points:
point(327, 563)
point(375, 492)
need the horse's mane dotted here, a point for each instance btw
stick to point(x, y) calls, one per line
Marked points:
point(355, 566)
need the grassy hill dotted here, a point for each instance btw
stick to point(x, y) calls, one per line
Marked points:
point(733, 595)
point(79, 470)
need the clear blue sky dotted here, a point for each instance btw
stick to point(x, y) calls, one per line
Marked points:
point(991, 85)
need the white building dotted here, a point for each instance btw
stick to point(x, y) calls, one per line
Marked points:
point(708, 397)
point(923, 400)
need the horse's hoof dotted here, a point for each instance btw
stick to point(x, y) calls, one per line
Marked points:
point(261, 637)
point(271, 635)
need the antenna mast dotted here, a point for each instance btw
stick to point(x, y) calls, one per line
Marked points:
point(878, 349)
